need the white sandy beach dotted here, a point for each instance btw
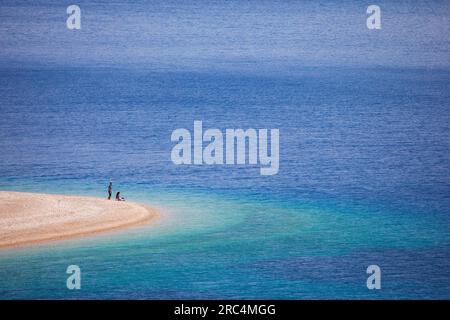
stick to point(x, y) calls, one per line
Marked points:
point(31, 218)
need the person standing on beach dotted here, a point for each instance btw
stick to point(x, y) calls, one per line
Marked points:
point(110, 190)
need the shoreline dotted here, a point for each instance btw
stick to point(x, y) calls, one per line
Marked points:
point(28, 219)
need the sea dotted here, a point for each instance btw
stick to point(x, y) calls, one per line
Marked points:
point(364, 122)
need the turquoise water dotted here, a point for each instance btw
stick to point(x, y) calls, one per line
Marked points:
point(364, 146)
point(225, 246)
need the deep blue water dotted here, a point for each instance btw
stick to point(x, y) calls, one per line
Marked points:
point(363, 180)
point(364, 148)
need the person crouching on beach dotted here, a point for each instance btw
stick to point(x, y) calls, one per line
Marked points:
point(110, 190)
point(118, 197)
